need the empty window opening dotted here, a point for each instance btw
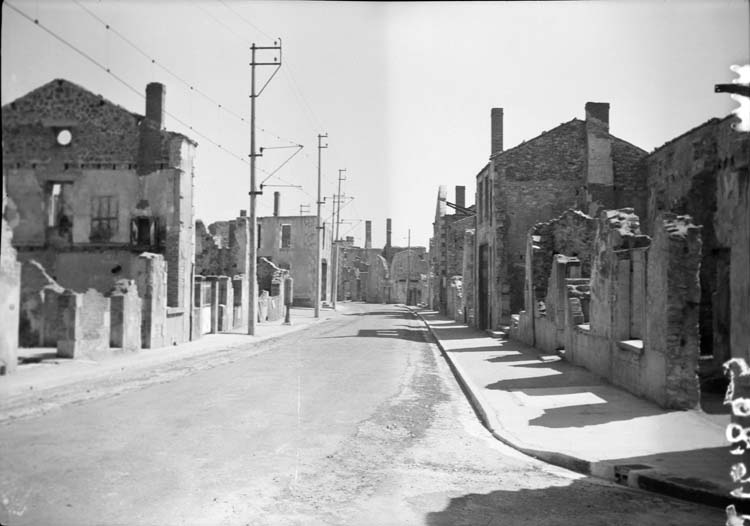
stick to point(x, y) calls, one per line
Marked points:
point(60, 210)
point(286, 236)
point(143, 231)
point(104, 218)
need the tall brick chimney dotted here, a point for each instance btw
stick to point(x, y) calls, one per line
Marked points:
point(276, 203)
point(496, 138)
point(598, 112)
point(149, 143)
point(155, 93)
point(598, 159)
point(368, 234)
point(461, 196)
point(388, 232)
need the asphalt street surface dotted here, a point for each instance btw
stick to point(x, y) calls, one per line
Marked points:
point(354, 421)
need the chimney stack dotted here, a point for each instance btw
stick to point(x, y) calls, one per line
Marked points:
point(149, 141)
point(598, 161)
point(276, 203)
point(155, 93)
point(368, 234)
point(460, 197)
point(388, 232)
point(598, 113)
point(243, 213)
point(496, 138)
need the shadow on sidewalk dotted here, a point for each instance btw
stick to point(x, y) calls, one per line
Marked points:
point(580, 502)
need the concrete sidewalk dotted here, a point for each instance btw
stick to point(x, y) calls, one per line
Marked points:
point(565, 415)
point(41, 377)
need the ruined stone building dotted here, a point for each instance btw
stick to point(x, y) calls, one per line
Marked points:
point(102, 194)
point(577, 164)
point(290, 242)
point(447, 249)
point(408, 276)
point(221, 268)
point(704, 173)
point(354, 270)
point(656, 303)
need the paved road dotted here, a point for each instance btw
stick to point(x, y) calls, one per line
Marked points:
point(355, 421)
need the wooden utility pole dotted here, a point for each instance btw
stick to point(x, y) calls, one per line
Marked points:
point(252, 278)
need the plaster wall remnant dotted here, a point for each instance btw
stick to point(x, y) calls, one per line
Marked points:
point(125, 316)
point(38, 325)
point(378, 289)
point(10, 290)
point(86, 323)
point(151, 283)
point(455, 306)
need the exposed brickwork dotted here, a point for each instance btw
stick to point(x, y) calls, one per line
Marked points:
point(576, 164)
point(673, 299)
point(683, 177)
point(469, 276)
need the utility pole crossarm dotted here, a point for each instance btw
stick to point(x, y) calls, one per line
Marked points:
point(252, 281)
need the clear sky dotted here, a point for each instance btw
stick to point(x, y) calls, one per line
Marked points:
point(404, 90)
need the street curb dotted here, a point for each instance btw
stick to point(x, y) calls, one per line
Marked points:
point(647, 479)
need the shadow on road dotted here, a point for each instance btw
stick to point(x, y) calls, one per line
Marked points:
point(580, 502)
point(410, 334)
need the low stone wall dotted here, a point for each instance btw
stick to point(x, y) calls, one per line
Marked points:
point(635, 320)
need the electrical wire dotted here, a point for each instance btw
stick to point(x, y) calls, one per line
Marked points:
point(190, 85)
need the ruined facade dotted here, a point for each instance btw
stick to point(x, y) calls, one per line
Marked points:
point(447, 252)
point(95, 186)
point(222, 258)
point(704, 173)
point(627, 308)
point(408, 276)
point(290, 242)
point(577, 164)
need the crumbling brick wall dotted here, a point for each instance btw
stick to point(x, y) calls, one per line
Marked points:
point(469, 276)
point(672, 337)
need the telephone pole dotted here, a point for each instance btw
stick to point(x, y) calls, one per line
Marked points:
point(319, 231)
point(252, 277)
point(335, 293)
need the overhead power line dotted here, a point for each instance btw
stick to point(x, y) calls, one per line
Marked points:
point(190, 85)
point(135, 90)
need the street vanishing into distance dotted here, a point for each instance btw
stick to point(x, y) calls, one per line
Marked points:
point(357, 420)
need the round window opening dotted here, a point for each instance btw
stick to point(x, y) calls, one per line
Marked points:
point(64, 137)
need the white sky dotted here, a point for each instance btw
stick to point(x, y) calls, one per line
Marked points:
point(404, 90)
